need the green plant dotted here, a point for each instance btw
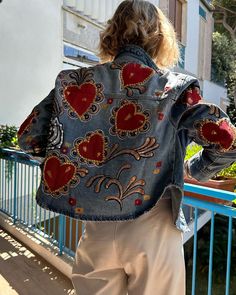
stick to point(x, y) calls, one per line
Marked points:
point(191, 150)
point(8, 139)
point(8, 136)
point(228, 172)
point(222, 57)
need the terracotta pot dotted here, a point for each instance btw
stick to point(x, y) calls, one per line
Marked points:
point(223, 184)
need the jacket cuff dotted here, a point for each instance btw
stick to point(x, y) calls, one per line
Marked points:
point(205, 164)
point(195, 168)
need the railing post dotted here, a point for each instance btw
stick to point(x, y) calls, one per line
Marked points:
point(15, 193)
point(83, 228)
point(194, 251)
point(227, 287)
point(61, 233)
point(209, 292)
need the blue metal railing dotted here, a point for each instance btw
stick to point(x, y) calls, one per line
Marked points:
point(19, 179)
point(215, 208)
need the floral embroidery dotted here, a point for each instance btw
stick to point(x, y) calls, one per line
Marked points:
point(83, 100)
point(159, 164)
point(156, 171)
point(79, 210)
point(65, 148)
point(129, 119)
point(92, 149)
point(105, 106)
point(26, 125)
point(221, 132)
point(72, 201)
point(160, 116)
point(55, 138)
point(138, 202)
point(59, 173)
point(110, 100)
point(77, 76)
point(133, 186)
point(146, 197)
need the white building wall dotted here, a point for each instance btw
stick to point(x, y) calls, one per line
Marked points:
point(192, 38)
point(30, 55)
point(98, 10)
point(214, 93)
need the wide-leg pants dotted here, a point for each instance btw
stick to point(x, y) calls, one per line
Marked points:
point(137, 257)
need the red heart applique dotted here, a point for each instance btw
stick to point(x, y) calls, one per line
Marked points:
point(25, 125)
point(192, 97)
point(128, 119)
point(80, 98)
point(133, 74)
point(220, 133)
point(57, 174)
point(92, 148)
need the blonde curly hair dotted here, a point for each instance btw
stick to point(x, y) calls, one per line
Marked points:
point(143, 24)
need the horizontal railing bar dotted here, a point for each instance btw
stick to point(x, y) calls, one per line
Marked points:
point(217, 208)
point(210, 192)
point(18, 156)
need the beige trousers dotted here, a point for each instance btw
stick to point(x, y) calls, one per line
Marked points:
point(139, 257)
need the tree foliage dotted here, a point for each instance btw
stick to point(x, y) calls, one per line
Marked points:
point(224, 50)
point(225, 17)
point(222, 56)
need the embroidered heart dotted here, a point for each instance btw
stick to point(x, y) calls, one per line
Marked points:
point(80, 98)
point(25, 125)
point(57, 174)
point(128, 119)
point(220, 133)
point(133, 74)
point(92, 148)
point(192, 97)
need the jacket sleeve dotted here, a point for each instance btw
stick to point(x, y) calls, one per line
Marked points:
point(209, 126)
point(33, 132)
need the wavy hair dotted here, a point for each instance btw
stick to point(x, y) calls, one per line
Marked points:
point(143, 24)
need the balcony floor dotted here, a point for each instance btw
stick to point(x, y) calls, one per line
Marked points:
point(25, 273)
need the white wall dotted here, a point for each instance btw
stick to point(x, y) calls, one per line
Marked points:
point(192, 39)
point(213, 92)
point(30, 55)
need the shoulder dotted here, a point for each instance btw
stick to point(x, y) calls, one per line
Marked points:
point(83, 74)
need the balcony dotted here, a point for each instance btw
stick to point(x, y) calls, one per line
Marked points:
point(54, 237)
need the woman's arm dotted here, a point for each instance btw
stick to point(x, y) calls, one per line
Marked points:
point(209, 126)
point(33, 132)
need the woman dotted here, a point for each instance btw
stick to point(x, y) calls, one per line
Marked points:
point(115, 152)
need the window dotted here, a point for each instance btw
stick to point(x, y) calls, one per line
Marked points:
point(176, 12)
point(75, 57)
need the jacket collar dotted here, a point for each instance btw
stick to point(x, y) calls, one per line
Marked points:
point(137, 53)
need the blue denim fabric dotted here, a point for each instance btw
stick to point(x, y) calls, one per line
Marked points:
point(114, 157)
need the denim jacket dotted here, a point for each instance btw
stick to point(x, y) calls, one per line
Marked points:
point(114, 138)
